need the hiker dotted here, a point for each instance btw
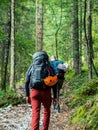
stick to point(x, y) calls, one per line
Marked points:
point(59, 69)
point(37, 92)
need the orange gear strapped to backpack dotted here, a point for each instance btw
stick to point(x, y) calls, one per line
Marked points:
point(51, 80)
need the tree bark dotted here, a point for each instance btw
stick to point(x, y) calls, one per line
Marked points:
point(12, 71)
point(5, 56)
point(80, 37)
point(89, 38)
point(75, 37)
point(39, 25)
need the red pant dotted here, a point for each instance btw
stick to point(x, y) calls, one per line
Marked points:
point(38, 97)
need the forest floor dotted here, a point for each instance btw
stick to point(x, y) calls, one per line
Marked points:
point(19, 118)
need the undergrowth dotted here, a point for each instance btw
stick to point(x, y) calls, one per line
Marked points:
point(83, 100)
point(10, 97)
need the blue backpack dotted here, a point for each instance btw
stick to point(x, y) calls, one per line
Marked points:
point(54, 64)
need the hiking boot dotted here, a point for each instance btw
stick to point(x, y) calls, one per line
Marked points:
point(57, 108)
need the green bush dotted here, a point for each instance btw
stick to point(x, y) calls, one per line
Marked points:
point(10, 97)
point(83, 99)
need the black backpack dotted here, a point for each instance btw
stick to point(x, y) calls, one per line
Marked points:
point(39, 70)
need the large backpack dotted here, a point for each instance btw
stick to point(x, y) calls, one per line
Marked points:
point(39, 69)
point(54, 64)
point(57, 66)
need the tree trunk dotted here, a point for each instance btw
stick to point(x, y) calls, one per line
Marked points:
point(12, 73)
point(80, 37)
point(75, 37)
point(85, 54)
point(89, 37)
point(5, 56)
point(85, 33)
point(39, 25)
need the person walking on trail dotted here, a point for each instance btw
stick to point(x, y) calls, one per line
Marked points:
point(37, 92)
point(59, 69)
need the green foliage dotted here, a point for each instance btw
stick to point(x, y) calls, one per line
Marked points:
point(86, 115)
point(10, 97)
point(78, 114)
point(83, 99)
point(75, 81)
point(69, 74)
point(90, 89)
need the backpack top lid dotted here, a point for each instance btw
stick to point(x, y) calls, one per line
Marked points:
point(40, 55)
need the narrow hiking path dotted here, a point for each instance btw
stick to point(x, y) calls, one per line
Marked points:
point(19, 117)
point(59, 121)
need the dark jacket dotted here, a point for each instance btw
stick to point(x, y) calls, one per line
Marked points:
point(27, 83)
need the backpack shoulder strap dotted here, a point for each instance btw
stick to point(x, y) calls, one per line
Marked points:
point(51, 71)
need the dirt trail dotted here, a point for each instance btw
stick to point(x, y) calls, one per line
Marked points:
point(19, 117)
point(59, 120)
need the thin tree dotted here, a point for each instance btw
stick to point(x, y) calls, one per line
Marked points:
point(5, 56)
point(75, 37)
point(88, 36)
point(12, 71)
point(80, 36)
point(39, 24)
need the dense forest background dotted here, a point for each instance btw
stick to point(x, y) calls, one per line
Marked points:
point(65, 28)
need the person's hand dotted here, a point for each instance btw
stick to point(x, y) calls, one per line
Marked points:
point(28, 100)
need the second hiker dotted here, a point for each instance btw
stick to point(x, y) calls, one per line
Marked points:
point(59, 69)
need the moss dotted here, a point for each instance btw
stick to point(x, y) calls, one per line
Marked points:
point(84, 104)
point(86, 116)
point(82, 96)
